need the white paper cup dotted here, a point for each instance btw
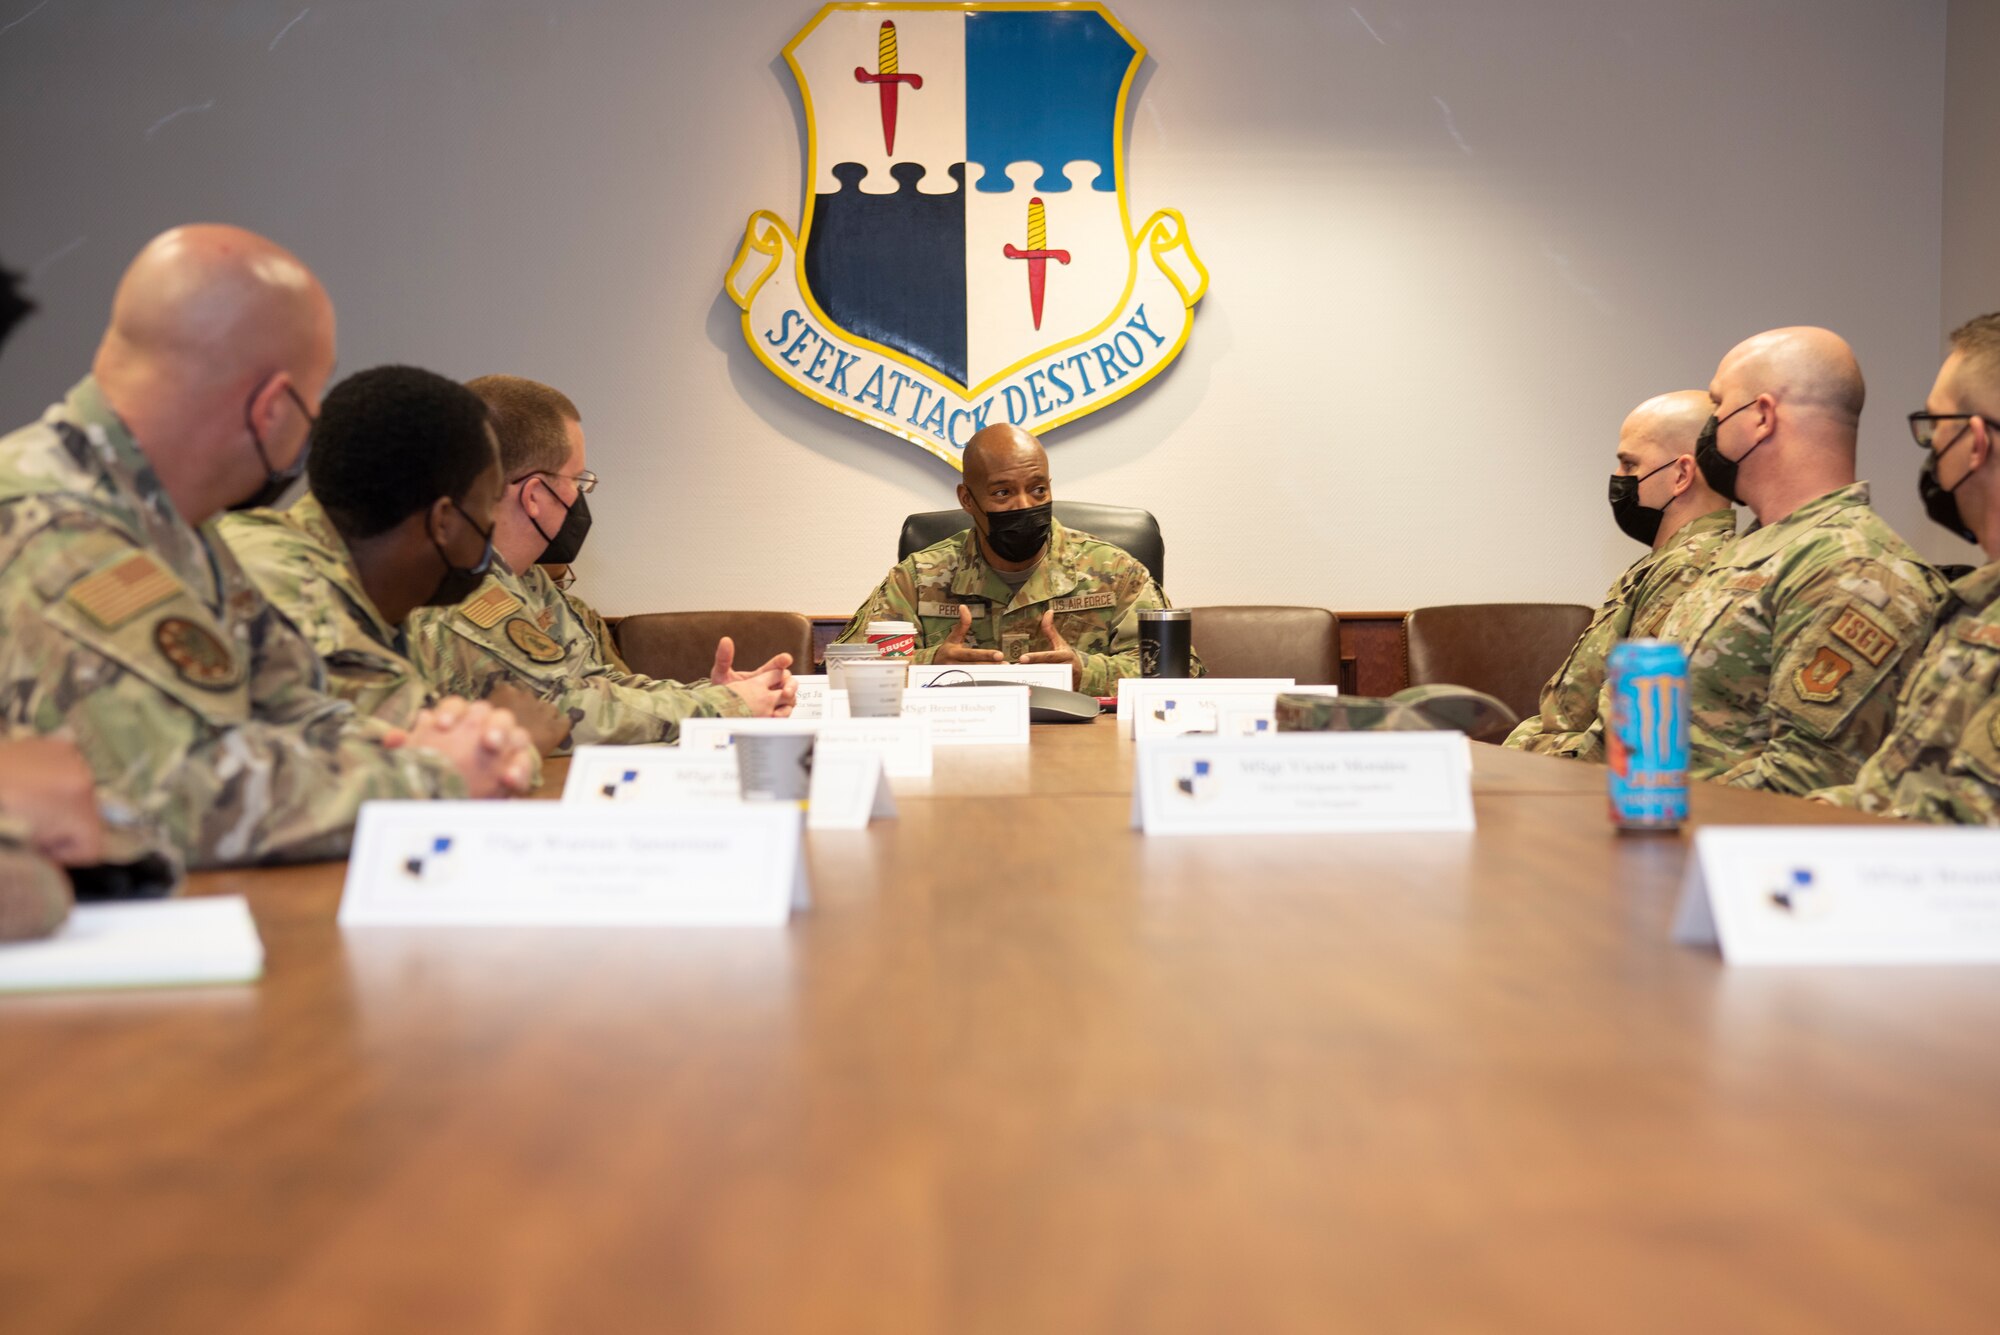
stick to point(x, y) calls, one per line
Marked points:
point(774, 766)
point(875, 687)
point(836, 664)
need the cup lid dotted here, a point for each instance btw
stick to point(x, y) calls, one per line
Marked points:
point(891, 628)
point(1165, 614)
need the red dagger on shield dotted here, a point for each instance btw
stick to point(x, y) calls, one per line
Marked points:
point(1037, 255)
point(885, 79)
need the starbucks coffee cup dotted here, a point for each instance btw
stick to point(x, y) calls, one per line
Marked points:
point(893, 639)
point(838, 656)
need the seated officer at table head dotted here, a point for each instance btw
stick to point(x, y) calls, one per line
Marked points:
point(1658, 497)
point(128, 624)
point(1802, 630)
point(405, 476)
point(1018, 587)
point(1941, 760)
point(520, 628)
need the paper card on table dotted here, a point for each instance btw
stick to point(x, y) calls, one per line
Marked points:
point(903, 743)
point(972, 715)
point(815, 700)
point(143, 943)
point(1303, 782)
point(1813, 895)
point(657, 774)
point(1056, 675)
point(849, 789)
point(1133, 690)
point(713, 734)
point(574, 864)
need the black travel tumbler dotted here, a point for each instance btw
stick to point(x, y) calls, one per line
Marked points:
point(1166, 643)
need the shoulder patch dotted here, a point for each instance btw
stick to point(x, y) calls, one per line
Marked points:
point(1981, 633)
point(486, 608)
point(1084, 602)
point(531, 640)
point(196, 653)
point(124, 589)
point(1864, 634)
point(1819, 681)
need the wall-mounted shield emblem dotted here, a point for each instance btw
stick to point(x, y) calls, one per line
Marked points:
point(965, 254)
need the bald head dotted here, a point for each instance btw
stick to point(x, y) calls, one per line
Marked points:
point(1000, 448)
point(1005, 469)
point(1802, 368)
point(1667, 423)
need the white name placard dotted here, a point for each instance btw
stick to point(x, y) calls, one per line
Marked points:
point(1057, 675)
point(815, 700)
point(1813, 895)
point(1135, 693)
point(903, 743)
point(655, 774)
point(848, 789)
point(1356, 782)
point(572, 864)
point(972, 715)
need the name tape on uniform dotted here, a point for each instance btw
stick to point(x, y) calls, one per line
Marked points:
point(572, 864)
point(1377, 782)
point(1814, 895)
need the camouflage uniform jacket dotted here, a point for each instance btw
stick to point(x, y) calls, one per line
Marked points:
point(302, 564)
point(1798, 638)
point(523, 628)
point(1633, 609)
point(1095, 590)
point(194, 702)
point(1942, 759)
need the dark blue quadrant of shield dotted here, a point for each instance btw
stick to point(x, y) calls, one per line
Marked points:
point(891, 268)
point(1041, 86)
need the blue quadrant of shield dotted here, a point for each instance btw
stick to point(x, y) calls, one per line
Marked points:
point(1042, 87)
point(891, 268)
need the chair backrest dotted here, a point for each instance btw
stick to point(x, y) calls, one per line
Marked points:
point(1302, 643)
point(1136, 532)
point(680, 646)
point(1507, 650)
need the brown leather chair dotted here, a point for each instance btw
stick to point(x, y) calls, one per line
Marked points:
point(1504, 649)
point(680, 646)
point(1302, 643)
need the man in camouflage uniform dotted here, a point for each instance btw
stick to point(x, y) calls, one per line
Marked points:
point(130, 626)
point(1941, 761)
point(1684, 531)
point(522, 629)
point(1803, 628)
point(1017, 579)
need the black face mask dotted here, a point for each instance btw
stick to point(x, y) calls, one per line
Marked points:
point(1940, 502)
point(276, 482)
point(1716, 470)
point(568, 539)
point(458, 583)
point(1639, 522)
point(1016, 535)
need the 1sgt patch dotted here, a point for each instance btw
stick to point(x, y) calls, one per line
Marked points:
point(197, 654)
point(1863, 634)
point(124, 589)
point(1819, 681)
point(531, 640)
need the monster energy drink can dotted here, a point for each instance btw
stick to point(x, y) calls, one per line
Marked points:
point(1647, 735)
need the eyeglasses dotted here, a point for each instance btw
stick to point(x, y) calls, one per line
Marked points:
point(1923, 426)
point(586, 481)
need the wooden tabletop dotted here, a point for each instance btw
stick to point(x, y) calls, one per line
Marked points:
point(1022, 1070)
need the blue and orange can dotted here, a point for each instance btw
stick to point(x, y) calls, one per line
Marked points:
point(1647, 735)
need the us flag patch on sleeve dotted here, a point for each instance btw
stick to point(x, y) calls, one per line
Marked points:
point(486, 608)
point(124, 589)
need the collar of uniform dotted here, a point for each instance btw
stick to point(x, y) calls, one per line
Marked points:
point(1051, 579)
point(1976, 592)
point(86, 406)
point(1767, 540)
point(335, 563)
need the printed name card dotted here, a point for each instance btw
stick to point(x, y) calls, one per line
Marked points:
point(972, 715)
point(1355, 782)
point(999, 674)
point(903, 743)
point(1196, 700)
point(848, 787)
point(574, 864)
point(1813, 895)
point(651, 774)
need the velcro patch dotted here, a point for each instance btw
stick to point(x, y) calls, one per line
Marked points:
point(1863, 634)
point(485, 608)
point(531, 640)
point(950, 610)
point(198, 655)
point(1084, 602)
point(1980, 633)
point(124, 589)
point(1819, 681)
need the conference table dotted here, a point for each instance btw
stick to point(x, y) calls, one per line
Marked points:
point(1021, 1069)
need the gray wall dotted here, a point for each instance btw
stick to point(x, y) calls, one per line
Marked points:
point(1972, 162)
point(1452, 241)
